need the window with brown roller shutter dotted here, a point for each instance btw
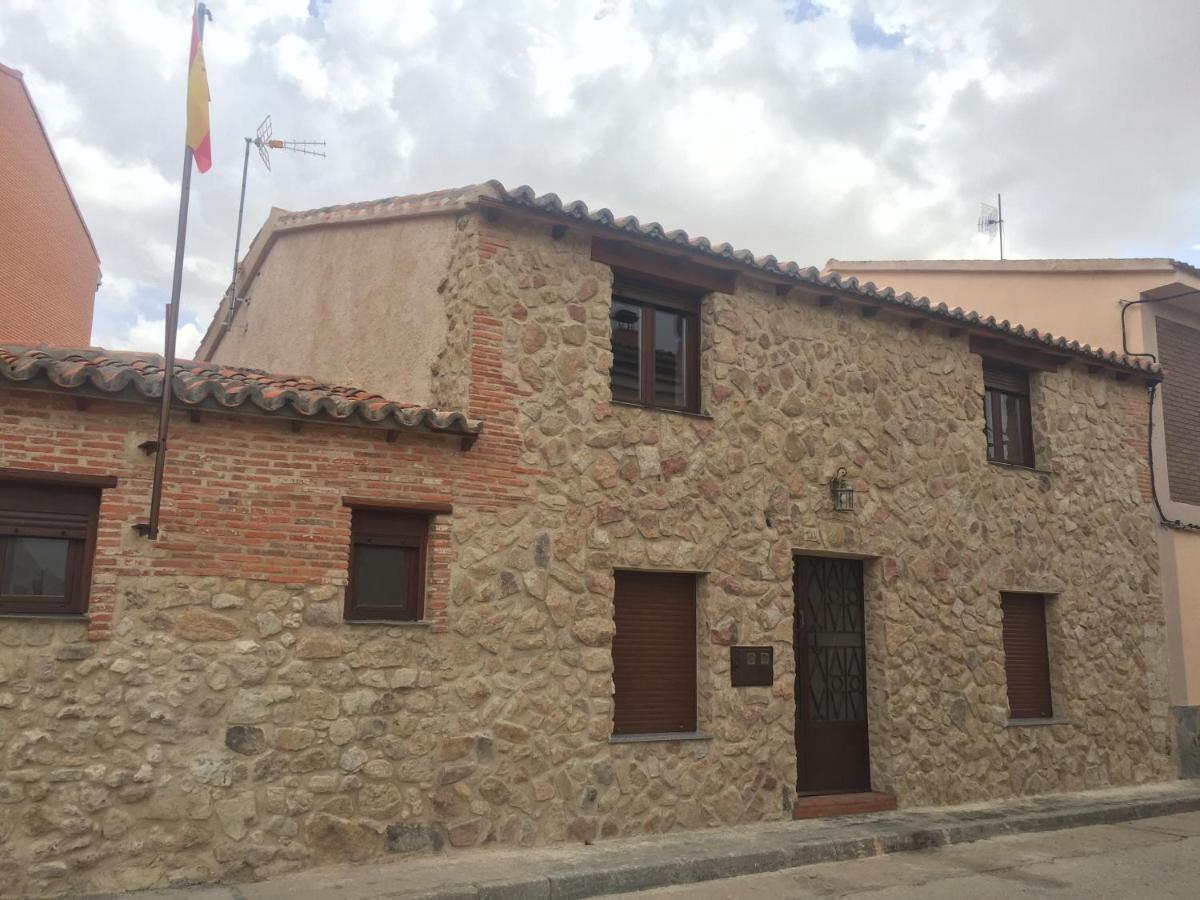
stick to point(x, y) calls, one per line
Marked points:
point(654, 653)
point(1026, 656)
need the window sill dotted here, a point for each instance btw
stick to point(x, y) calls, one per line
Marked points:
point(394, 623)
point(662, 409)
point(660, 737)
point(1020, 468)
point(1053, 720)
point(52, 617)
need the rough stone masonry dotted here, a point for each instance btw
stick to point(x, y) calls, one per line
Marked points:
point(218, 720)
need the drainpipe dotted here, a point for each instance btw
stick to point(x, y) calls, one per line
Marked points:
point(1151, 391)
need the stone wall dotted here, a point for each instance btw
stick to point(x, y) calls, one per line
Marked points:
point(229, 725)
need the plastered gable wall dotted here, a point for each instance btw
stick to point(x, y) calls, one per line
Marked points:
point(227, 724)
point(351, 304)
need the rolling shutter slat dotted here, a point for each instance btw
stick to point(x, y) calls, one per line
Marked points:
point(1026, 656)
point(654, 653)
point(1003, 378)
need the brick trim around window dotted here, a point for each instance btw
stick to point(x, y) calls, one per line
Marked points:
point(414, 541)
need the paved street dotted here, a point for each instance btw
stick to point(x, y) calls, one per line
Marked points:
point(1146, 860)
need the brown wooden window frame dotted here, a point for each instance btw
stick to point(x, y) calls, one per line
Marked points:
point(649, 298)
point(404, 530)
point(56, 511)
point(649, 684)
point(1026, 655)
point(1007, 384)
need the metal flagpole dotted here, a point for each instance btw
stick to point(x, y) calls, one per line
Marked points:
point(164, 412)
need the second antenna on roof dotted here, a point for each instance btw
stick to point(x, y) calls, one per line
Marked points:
point(991, 220)
point(265, 143)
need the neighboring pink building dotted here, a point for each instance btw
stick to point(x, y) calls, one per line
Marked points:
point(1147, 306)
point(49, 268)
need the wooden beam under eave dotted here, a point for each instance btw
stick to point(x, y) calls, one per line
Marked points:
point(954, 332)
point(782, 290)
point(1030, 358)
point(869, 312)
point(681, 271)
point(826, 300)
point(392, 435)
point(558, 232)
point(917, 324)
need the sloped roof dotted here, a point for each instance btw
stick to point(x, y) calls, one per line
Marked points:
point(139, 376)
point(525, 199)
point(16, 75)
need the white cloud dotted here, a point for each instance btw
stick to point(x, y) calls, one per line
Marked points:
point(730, 120)
point(113, 185)
point(149, 335)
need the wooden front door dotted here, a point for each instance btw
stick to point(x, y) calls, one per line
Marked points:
point(831, 677)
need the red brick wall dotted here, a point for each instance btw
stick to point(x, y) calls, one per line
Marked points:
point(1135, 407)
point(246, 497)
point(1179, 352)
point(48, 269)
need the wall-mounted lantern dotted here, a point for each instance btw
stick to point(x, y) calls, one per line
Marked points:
point(842, 492)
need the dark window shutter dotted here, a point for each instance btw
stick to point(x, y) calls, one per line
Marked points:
point(1026, 656)
point(654, 653)
point(1004, 378)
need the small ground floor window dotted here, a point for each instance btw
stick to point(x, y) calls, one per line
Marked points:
point(654, 653)
point(387, 566)
point(1026, 656)
point(47, 538)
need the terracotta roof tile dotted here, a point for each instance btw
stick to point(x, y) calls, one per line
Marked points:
point(524, 197)
point(214, 386)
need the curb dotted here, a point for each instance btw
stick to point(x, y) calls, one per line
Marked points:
point(870, 835)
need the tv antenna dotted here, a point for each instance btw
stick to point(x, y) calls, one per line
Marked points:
point(265, 141)
point(991, 222)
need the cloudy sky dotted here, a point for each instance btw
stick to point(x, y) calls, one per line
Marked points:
point(803, 128)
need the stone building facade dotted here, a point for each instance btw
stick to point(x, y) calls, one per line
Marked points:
point(216, 718)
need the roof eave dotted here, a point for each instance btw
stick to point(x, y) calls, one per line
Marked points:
point(810, 281)
point(132, 393)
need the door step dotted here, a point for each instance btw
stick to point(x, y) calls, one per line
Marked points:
point(821, 805)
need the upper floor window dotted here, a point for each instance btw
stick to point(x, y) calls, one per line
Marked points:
point(387, 565)
point(656, 347)
point(47, 539)
point(1007, 419)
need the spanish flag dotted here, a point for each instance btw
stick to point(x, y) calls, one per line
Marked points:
point(198, 137)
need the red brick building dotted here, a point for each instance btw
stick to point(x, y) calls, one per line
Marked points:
point(49, 270)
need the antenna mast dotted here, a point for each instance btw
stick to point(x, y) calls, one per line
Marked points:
point(265, 143)
point(991, 221)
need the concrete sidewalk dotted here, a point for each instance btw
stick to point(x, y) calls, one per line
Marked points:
point(617, 866)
